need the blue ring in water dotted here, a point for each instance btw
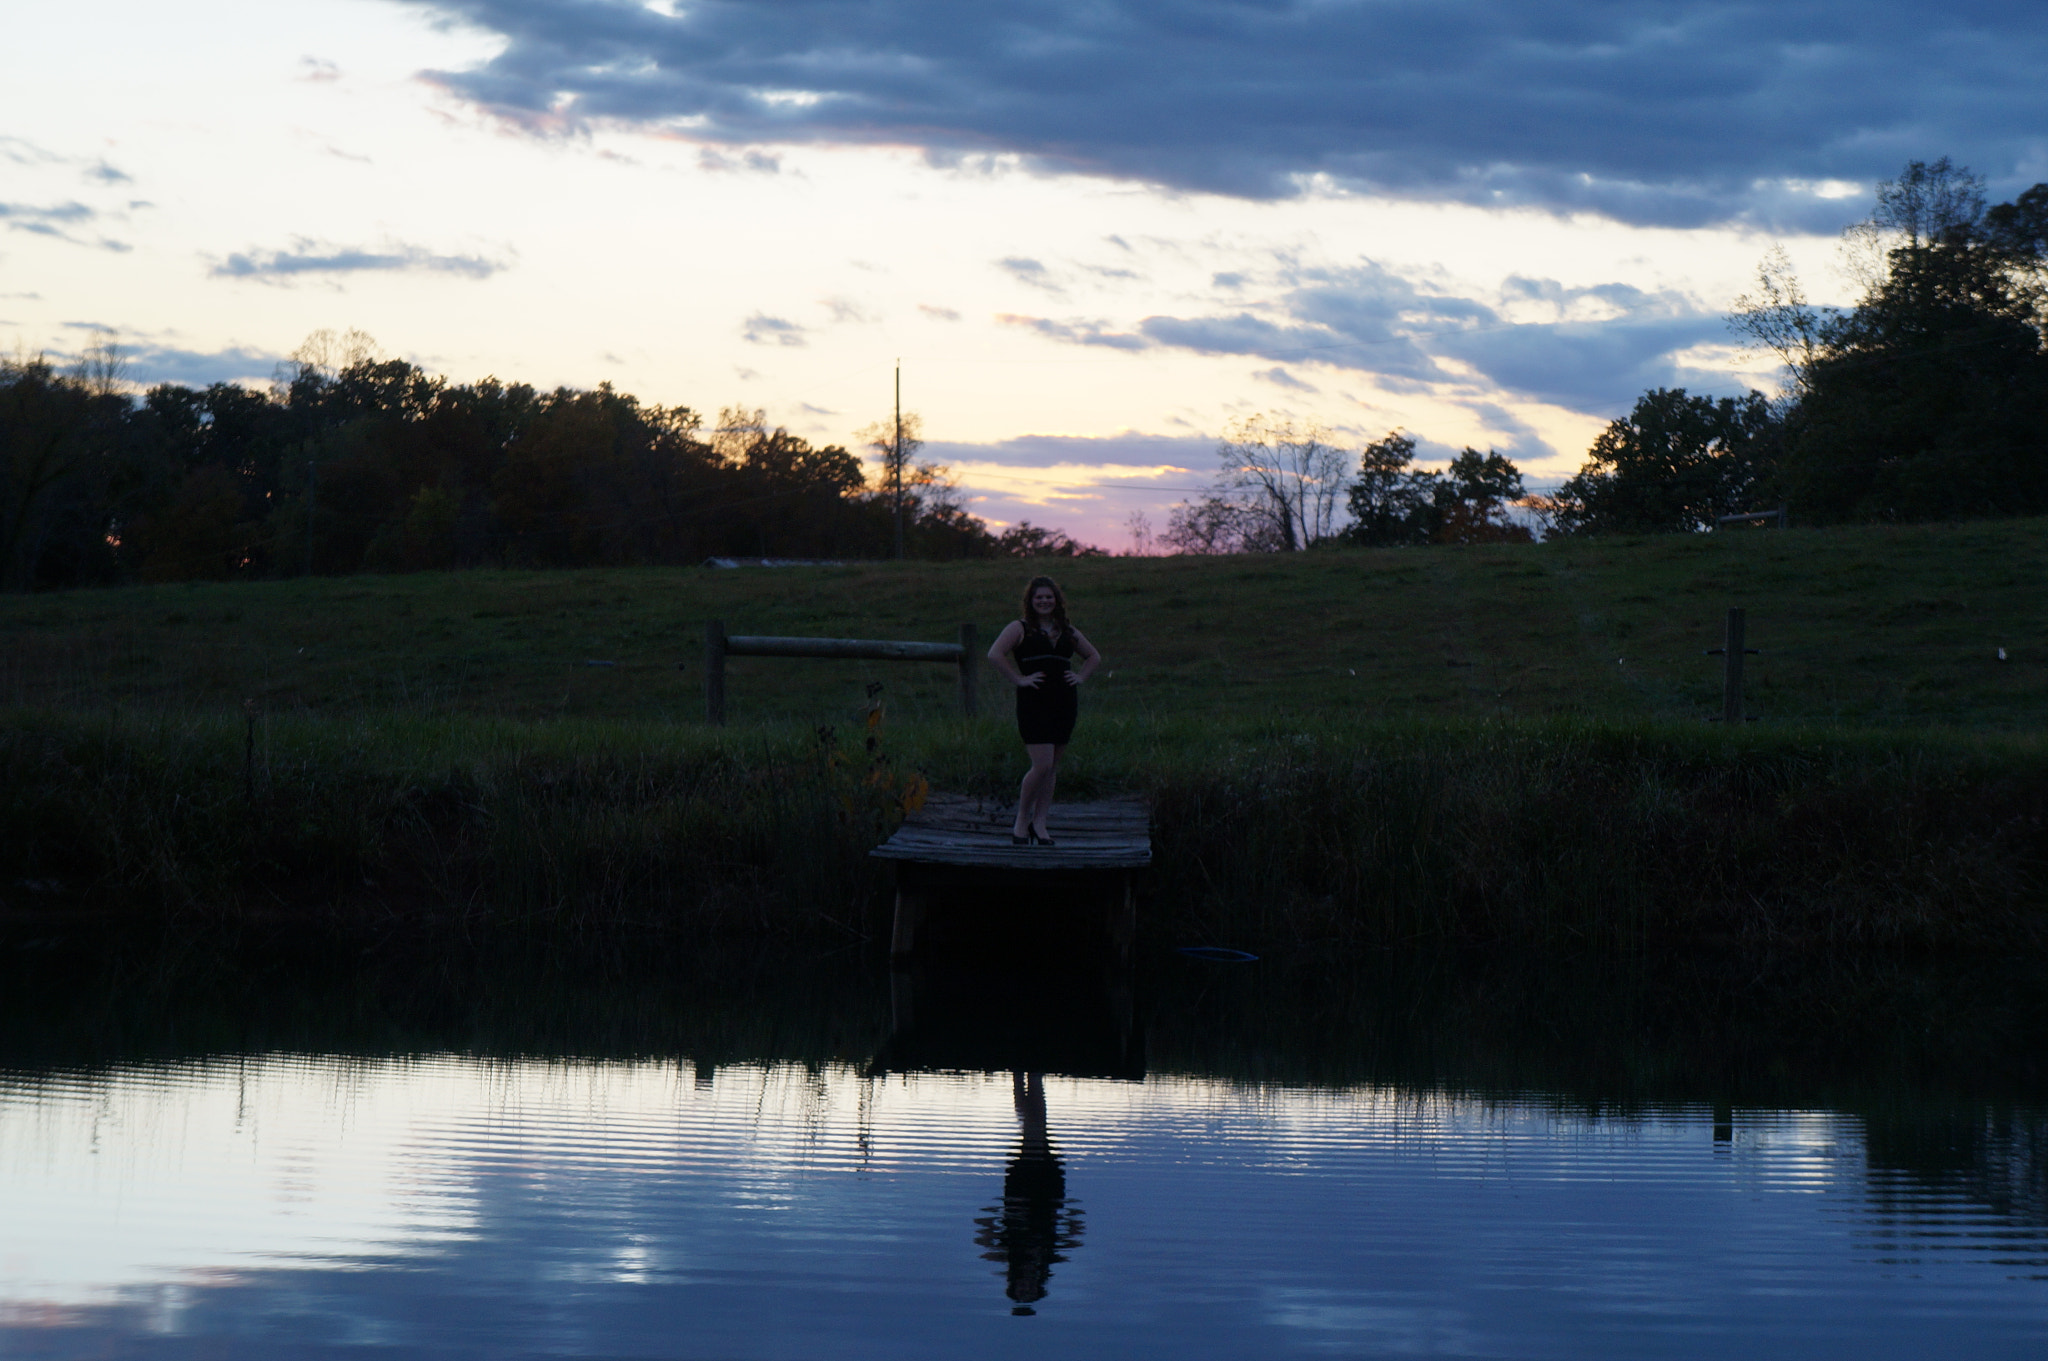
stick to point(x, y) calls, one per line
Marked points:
point(1221, 954)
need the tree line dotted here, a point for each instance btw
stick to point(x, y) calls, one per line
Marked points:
point(1925, 400)
point(352, 462)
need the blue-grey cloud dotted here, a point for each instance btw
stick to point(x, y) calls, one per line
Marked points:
point(1586, 366)
point(1522, 440)
point(147, 363)
point(57, 221)
point(762, 329)
point(1281, 378)
point(1140, 453)
point(1077, 332)
point(306, 257)
point(752, 160)
point(1373, 347)
point(1671, 111)
point(1028, 271)
point(29, 217)
point(1607, 344)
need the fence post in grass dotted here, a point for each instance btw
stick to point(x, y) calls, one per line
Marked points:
point(249, 753)
point(1731, 684)
point(968, 669)
point(714, 672)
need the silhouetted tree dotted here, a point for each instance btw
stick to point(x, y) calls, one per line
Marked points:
point(1929, 398)
point(1671, 465)
point(1388, 505)
point(61, 438)
point(1026, 540)
point(1393, 503)
point(355, 461)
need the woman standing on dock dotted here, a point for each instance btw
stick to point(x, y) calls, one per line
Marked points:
point(1037, 653)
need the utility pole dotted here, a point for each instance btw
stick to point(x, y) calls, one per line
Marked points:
point(896, 458)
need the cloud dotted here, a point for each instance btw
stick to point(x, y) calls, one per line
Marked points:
point(1076, 332)
point(938, 313)
point(1281, 378)
point(146, 363)
point(1028, 271)
point(762, 329)
point(1597, 349)
point(1585, 366)
point(97, 169)
point(55, 221)
point(1523, 443)
point(27, 217)
point(1677, 113)
point(752, 161)
point(1087, 486)
point(1131, 457)
point(307, 257)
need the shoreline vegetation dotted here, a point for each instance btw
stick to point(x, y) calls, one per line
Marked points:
point(1505, 745)
point(1618, 838)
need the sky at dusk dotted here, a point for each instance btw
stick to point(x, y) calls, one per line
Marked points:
point(1093, 233)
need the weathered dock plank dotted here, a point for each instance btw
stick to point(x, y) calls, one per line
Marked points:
point(951, 843)
point(1112, 834)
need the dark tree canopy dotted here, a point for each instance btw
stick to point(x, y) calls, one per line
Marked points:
point(1929, 398)
point(1027, 540)
point(1670, 466)
point(1393, 503)
point(353, 463)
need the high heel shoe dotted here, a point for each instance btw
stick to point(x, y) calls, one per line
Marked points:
point(1038, 839)
point(1024, 840)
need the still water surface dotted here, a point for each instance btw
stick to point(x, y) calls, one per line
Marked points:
point(273, 1204)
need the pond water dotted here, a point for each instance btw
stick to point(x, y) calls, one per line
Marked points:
point(730, 1197)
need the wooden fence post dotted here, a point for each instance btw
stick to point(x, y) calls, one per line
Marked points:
point(969, 668)
point(1731, 683)
point(714, 672)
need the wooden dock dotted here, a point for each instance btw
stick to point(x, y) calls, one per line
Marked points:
point(956, 843)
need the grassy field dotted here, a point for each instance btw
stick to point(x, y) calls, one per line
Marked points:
point(1869, 626)
point(1464, 746)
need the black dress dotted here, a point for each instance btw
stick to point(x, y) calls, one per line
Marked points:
point(1046, 711)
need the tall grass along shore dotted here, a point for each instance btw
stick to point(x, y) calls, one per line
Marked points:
point(1619, 836)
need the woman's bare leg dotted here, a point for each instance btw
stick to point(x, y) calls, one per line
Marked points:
point(1044, 804)
point(1035, 794)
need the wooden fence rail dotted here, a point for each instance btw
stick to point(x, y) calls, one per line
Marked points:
point(718, 645)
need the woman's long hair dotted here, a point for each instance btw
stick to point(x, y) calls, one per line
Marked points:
point(1059, 605)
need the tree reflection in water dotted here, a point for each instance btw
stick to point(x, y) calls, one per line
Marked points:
point(1035, 1226)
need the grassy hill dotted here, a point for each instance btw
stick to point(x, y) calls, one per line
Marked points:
point(1470, 745)
point(1866, 626)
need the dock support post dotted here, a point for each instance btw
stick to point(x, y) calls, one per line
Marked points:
point(909, 916)
point(902, 1000)
point(1123, 920)
point(714, 672)
point(1731, 682)
point(969, 668)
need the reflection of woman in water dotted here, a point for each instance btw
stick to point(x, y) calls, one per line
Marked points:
point(1035, 1226)
point(1037, 653)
